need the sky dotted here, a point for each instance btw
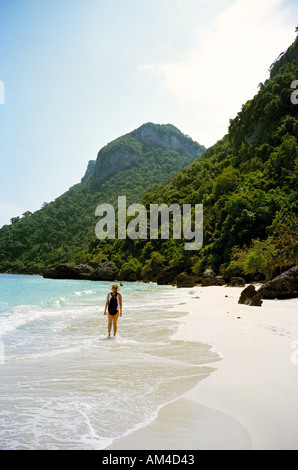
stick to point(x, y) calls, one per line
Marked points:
point(76, 74)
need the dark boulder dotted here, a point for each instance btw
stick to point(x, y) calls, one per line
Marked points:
point(284, 286)
point(62, 271)
point(184, 280)
point(249, 296)
point(212, 281)
point(105, 271)
point(236, 282)
point(85, 271)
point(209, 273)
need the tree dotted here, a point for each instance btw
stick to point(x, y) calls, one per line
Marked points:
point(27, 214)
point(258, 259)
point(261, 258)
point(226, 182)
point(285, 229)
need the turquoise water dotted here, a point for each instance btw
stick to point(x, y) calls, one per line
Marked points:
point(65, 385)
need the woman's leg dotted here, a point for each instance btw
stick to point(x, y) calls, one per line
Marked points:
point(115, 319)
point(110, 322)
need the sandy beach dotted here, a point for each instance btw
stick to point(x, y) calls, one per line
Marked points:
point(250, 400)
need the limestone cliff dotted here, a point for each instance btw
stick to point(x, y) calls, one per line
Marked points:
point(89, 171)
point(124, 151)
point(168, 136)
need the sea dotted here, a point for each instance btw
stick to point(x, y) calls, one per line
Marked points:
point(65, 385)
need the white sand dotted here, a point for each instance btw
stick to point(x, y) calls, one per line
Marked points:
point(251, 400)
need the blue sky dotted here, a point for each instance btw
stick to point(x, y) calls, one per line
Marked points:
point(78, 74)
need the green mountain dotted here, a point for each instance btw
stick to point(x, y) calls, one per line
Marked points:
point(61, 231)
point(247, 183)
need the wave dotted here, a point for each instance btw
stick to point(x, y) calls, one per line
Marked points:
point(154, 414)
point(85, 292)
point(47, 354)
point(24, 315)
point(19, 316)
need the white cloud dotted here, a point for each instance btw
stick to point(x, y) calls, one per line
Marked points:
point(221, 72)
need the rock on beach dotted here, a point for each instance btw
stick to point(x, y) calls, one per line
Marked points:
point(284, 286)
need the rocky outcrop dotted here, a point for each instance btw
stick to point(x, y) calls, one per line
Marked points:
point(249, 296)
point(105, 271)
point(89, 171)
point(62, 271)
point(211, 279)
point(113, 160)
point(124, 151)
point(284, 286)
point(184, 280)
point(168, 136)
point(236, 282)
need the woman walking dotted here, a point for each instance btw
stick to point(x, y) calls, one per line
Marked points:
point(114, 306)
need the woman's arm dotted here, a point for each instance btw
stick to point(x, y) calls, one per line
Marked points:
point(107, 304)
point(120, 304)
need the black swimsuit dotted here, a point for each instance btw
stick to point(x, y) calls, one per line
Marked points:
point(113, 304)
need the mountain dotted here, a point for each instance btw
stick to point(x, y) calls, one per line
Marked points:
point(248, 185)
point(127, 150)
point(62, 230)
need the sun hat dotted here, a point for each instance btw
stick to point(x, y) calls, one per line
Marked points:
point(115, 286)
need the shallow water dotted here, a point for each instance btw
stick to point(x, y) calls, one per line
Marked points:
point(65, 385)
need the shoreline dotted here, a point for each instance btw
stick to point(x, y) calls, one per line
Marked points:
point(250, 400)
